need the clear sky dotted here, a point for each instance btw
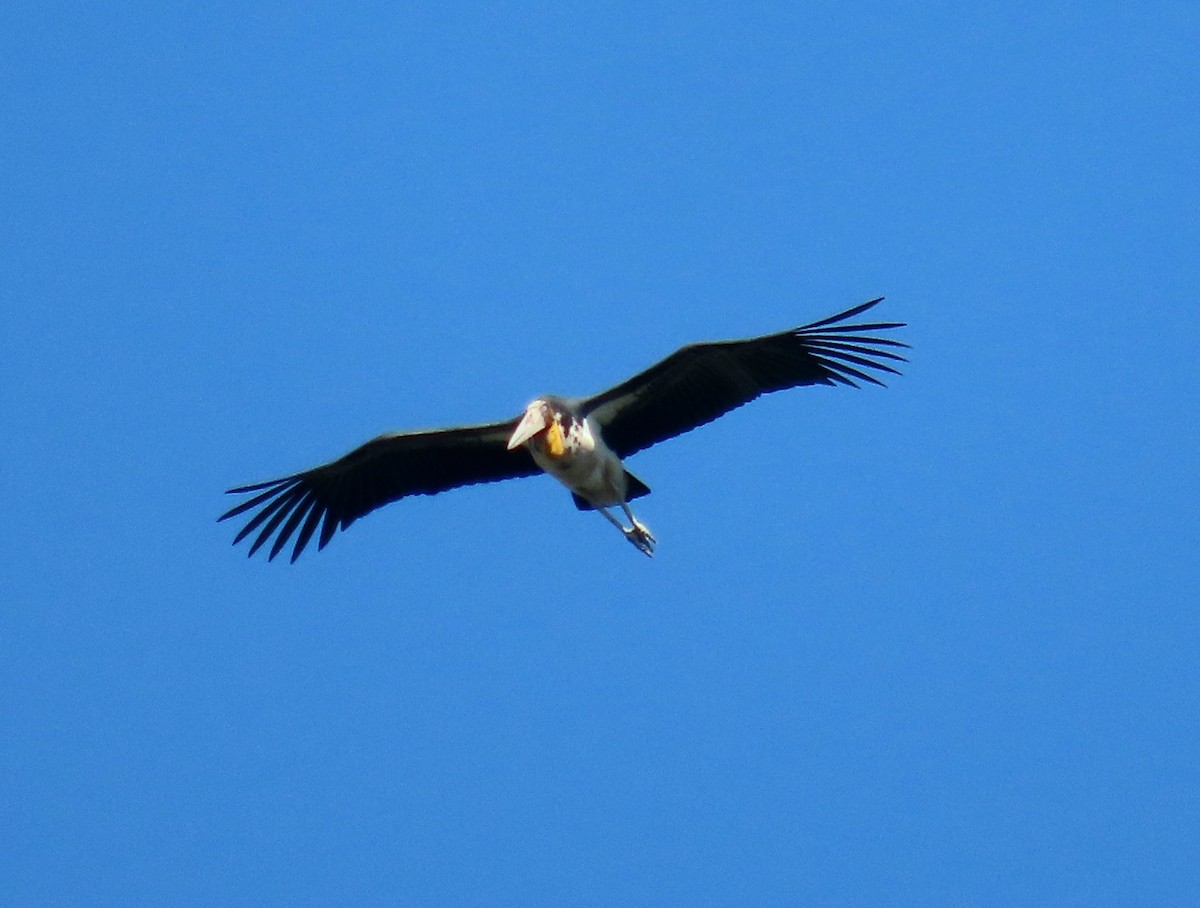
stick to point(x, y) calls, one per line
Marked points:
point(933, 644)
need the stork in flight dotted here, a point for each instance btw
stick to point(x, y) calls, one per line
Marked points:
point(581, 442)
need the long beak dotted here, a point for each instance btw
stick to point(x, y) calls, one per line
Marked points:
point(531, 423)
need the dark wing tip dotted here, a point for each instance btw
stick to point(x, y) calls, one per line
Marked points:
point(255, 487)
point(279, 508)
point(843, 351)
point(267, 490)
point(843, 316)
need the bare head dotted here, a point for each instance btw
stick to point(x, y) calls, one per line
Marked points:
point(537, 419)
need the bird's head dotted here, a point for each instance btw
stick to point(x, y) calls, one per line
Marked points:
point(539, 420)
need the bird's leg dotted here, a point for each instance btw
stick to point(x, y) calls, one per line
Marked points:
point(637, 534)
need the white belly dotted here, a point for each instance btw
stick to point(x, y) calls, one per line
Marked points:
point(586, 466)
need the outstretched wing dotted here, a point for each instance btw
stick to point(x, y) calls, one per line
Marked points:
point(700, 382)
point(383, 470)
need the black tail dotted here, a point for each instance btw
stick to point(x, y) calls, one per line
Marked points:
point(634, 488)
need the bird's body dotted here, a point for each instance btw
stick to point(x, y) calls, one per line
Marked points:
point(580, 442)
point(572, 452)
point(569, 448)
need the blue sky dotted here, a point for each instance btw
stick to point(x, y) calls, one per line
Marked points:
point(934, 644)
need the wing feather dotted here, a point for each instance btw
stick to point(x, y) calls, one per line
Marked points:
point(266, 511)
point(701, 382)
point(381, 471)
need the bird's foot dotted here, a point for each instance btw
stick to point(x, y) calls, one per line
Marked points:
point(641, 537)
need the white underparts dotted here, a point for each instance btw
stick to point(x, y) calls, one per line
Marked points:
point(586, 466)
point(589, 468)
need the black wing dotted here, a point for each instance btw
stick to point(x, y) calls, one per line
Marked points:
point(699, 382)
point(383, 470)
